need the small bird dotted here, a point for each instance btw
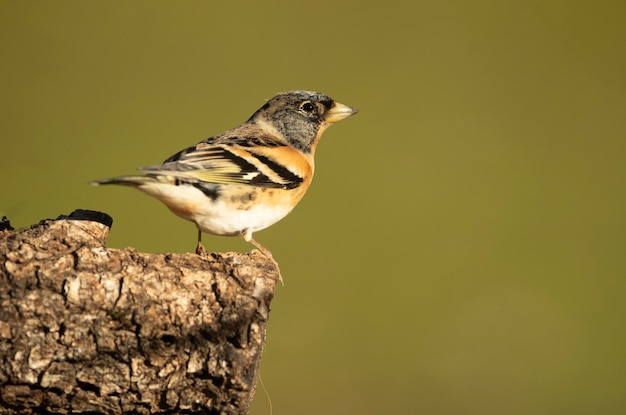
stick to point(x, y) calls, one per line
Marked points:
point(247, 178)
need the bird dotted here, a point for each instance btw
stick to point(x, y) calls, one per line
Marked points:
point(249, 177)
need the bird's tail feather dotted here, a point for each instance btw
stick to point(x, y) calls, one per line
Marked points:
point(132, 181)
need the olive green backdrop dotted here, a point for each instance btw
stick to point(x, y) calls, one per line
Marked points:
point(462, 249)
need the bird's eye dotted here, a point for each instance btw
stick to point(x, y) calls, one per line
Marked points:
point(307, 107)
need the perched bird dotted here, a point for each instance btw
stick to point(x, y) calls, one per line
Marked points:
point(247, 178)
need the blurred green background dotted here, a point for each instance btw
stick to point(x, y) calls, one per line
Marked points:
point(462, 248)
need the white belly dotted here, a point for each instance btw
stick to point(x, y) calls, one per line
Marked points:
point(214, 216)
point(217, 219)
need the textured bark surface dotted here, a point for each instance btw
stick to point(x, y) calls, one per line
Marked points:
point(86, 329)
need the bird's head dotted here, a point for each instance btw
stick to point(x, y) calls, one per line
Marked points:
point(301, 117)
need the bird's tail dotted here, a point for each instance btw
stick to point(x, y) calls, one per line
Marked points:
point(132, 181)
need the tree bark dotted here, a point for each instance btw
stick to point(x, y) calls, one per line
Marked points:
point(87, 329)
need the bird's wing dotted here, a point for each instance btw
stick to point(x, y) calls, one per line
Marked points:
point(255, 162)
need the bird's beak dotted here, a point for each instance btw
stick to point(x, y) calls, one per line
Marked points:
point(338, 112)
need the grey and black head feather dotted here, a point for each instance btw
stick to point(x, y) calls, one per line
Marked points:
point(297, 115)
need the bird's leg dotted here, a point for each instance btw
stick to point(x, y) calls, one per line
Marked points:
point(261, 248)
point(247, 236)
point(199, 248)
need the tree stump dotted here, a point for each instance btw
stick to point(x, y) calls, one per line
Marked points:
point(86, 329)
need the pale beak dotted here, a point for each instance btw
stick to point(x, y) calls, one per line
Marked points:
point(338, 112)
